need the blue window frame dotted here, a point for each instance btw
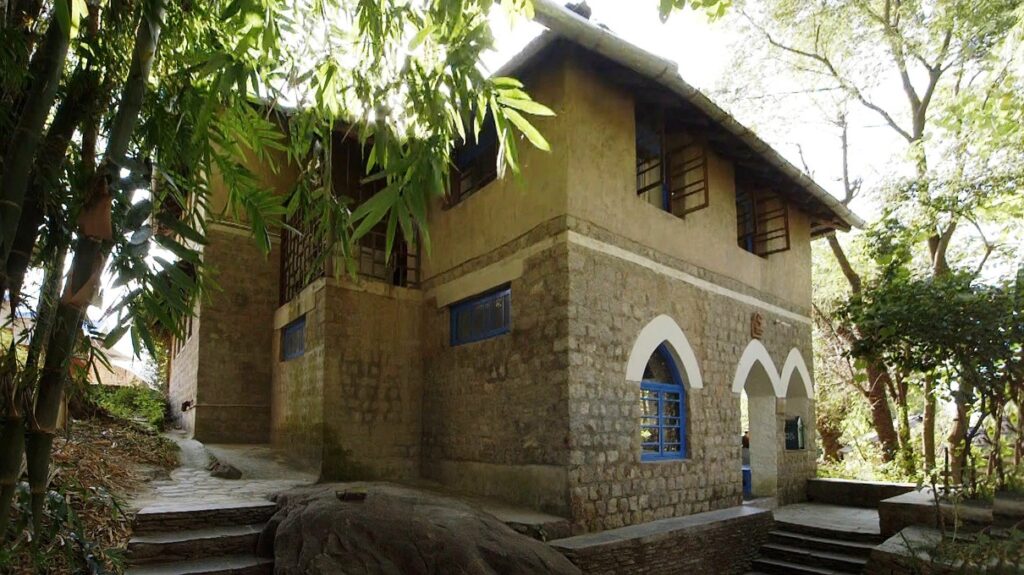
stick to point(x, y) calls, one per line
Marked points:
point(662, 409)
point(482, 317)
point(293, 339)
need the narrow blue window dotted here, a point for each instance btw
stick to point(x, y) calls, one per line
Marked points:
point(293, 339)
point(662, 409)
point(481, 317)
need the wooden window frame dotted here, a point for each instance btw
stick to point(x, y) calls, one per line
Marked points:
point(681, 160)
point(762, 229)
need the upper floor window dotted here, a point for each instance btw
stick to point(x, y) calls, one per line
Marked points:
point(762, 220)
point(662, 409)
point(481, 317)
point(671, 165)
point(474, 164)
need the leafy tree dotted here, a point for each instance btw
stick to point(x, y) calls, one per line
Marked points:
point(932, 72)
point(967, 336)
point(126, 95)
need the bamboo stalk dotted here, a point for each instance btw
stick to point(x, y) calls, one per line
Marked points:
point(12, 448)
point(46, 171)
point(91, 251)
point(47, 66)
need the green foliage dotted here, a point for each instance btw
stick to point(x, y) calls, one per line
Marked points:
point(131, 403)
point(64, 546)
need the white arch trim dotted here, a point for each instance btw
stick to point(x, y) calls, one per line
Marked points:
point(757, 353)
point(795, 362)
point(663, 329)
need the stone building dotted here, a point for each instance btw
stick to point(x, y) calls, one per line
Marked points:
point(577, 341)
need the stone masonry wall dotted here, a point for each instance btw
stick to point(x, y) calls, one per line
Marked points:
point(723, 545)
point(297, 397)
point(182, 385)
point(610, 302)
point(372, 381)
point(234, 372)
point(495, 412)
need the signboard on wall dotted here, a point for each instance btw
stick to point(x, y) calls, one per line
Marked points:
point(795, 433)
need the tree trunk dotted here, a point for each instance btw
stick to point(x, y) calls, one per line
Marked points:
point(93, 246)
point(47, 65)
point(928, 433)
point(881, 415)
point(958, 436)
point(906, 458)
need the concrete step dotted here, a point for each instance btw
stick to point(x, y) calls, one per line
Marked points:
point(222, 565)
point(827, 533)
point(854, 548)
point(183, 517)
point(779, 567)
point(839, 562)
point(167, 546)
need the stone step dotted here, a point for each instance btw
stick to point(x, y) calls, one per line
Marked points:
point(854, 548)
point(188, 516)
point(827, 533)
point(166, 546)
point(223, 565)
point(779, 567)
point(813, 557)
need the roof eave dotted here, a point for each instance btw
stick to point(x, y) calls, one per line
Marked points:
point(567, 24)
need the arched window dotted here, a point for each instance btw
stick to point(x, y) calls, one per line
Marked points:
point(662, 409)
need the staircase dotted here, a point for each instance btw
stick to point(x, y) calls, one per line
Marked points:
point(793, 548)
point(199, 539)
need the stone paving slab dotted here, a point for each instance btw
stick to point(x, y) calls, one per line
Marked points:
point(264, 472)
point(833, 517)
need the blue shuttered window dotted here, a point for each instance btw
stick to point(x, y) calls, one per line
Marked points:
point(481, 317)
point(662, 409)
point(293, 339)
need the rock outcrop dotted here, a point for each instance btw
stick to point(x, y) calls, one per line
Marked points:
point(376, 528)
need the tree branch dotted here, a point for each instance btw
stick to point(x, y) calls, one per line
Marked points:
point(844, 83)
point(844, 264)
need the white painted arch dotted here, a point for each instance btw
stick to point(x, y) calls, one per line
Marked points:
point(795, 363)
point(664, 329)
point(756, 353)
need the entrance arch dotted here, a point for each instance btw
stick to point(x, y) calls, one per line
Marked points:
point(757, 378)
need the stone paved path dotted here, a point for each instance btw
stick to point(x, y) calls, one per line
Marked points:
point(836, 517)
point(264, 473)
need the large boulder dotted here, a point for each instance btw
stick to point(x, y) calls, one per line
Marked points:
point(377, 528)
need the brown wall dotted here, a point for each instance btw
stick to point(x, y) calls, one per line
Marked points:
point(496, 411)
point(350, 406)
point(234, 363)
point(183, 378)
point(297, 391)
point(602, 191)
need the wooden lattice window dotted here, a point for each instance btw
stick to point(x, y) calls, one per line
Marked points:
point(474, 164)
point(762, 221)
point(402, 267)
point(671, 166)
point(302, 256)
